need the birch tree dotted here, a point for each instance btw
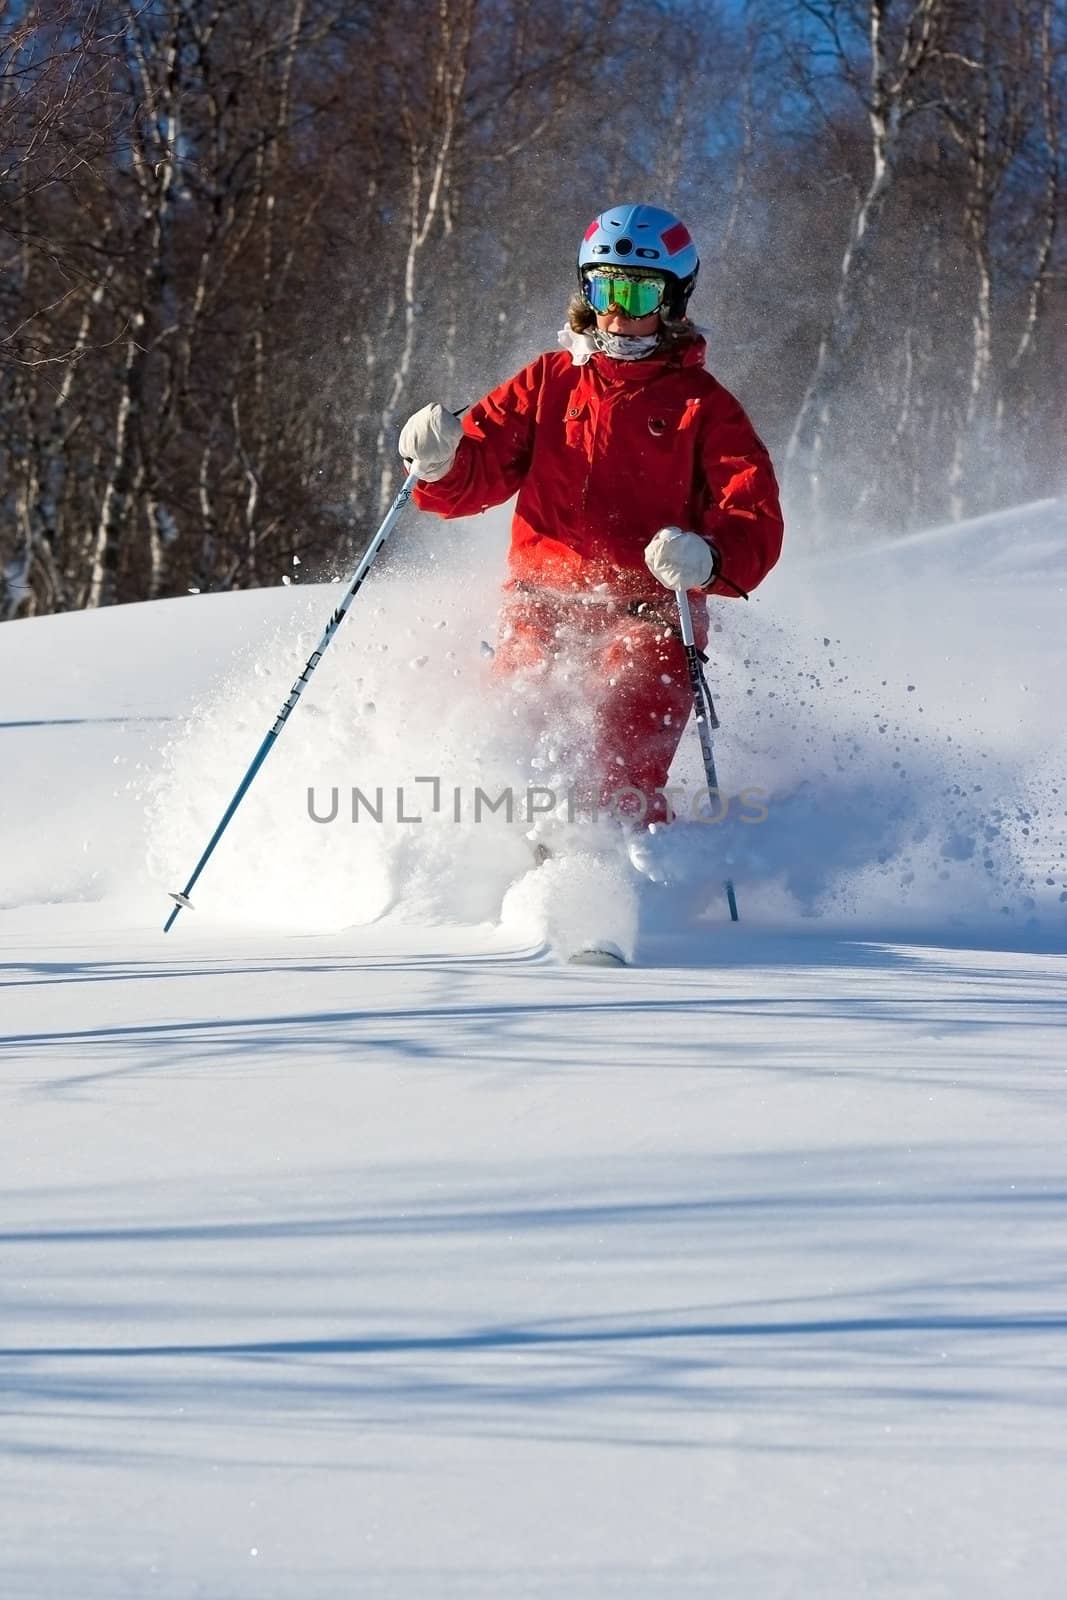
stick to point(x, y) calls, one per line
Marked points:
point(900, 43)
point(1016, 399)
point(57, 128)
point(430, 135)
point(990, 108)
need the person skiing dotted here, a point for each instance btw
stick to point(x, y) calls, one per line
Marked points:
point(637, 474)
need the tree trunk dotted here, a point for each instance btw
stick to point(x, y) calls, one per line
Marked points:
point(891, 99)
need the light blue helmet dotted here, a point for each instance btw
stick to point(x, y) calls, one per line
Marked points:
point(646, 239)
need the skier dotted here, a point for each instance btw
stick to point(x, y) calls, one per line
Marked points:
point(637, 475)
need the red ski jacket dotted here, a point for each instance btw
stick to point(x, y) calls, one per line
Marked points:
point(602, 456)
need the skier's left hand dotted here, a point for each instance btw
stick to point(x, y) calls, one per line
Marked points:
point(681, 560)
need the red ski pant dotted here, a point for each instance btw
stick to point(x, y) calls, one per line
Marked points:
point(623, 670)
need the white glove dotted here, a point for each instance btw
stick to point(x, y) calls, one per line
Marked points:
point(681, 560)
point(431, 437)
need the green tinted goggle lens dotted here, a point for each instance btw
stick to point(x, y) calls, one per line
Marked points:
point(635, 297)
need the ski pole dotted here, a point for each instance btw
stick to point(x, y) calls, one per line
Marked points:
point(705, 715)
point(181, 900)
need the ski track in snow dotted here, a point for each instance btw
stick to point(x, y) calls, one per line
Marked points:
point(353, 1244)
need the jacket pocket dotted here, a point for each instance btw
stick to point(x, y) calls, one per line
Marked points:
point(576, 426)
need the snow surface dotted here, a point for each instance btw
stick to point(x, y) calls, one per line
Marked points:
point(353, 1244)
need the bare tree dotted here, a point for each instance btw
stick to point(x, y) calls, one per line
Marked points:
point(58, 130)
point(242, 237)
point(990, 107)
point(892, 90)
point(1041, 225)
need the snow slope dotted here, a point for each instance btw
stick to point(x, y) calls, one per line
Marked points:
point(351, 1244)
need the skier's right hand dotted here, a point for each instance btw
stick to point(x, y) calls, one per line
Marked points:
point(431, 437)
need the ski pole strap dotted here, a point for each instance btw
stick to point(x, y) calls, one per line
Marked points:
point(741, 595)
point(713, 720)
point(703, 704)
point(706, 719)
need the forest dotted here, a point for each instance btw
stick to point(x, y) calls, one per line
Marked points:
point(242, 240)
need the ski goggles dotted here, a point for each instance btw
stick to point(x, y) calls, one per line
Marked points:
point(634, 296)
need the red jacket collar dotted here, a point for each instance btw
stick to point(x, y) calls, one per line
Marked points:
point(691, 353)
